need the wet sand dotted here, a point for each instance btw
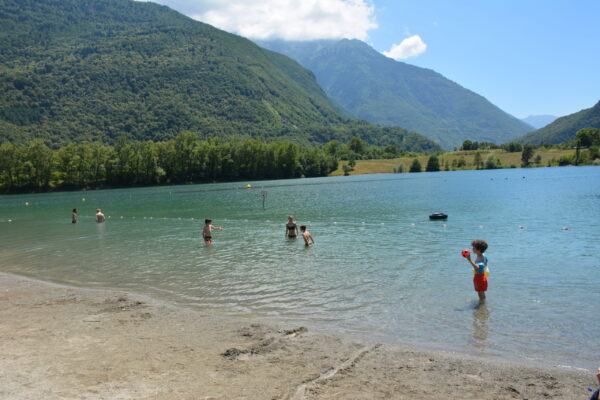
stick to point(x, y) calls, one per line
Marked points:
point(60, 342)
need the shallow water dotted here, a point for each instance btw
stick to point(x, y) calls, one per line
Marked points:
point(379, 268)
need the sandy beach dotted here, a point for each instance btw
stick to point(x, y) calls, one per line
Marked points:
point(61, 342)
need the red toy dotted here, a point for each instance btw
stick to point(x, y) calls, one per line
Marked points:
point(466, 253)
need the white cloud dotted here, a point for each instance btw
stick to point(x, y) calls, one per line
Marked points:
point(284, 19)
point(409, 47)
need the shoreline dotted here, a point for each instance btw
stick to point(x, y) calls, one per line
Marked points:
point(71, 342)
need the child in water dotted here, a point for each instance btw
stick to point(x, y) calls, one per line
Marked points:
point(207, 231)
point(74, 216)
point(99, 216)
point(480, 280)
point(308, 239)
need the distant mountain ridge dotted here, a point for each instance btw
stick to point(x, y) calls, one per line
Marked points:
point(565, 128)
point(539, 121)
point(95, 70)
point(365, 84)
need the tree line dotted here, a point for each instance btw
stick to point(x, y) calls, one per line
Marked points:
point(34, 167)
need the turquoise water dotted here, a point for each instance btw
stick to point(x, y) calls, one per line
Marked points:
point(379, 268)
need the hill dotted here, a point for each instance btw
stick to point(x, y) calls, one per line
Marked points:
point(365, 84)
point(539, 121)
point(565, 128)
point(95, 70)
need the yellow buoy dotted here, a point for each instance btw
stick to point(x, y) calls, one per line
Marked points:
point(248, 186)
point(83, 199)
point(26, 203)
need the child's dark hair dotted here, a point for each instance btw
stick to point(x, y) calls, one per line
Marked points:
point(480, 245)
point(302, 228)
point(207, 221)
point(74, 210)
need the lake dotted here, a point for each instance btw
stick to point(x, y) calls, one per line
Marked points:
point(379, 269)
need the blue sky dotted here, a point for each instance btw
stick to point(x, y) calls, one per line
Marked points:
point(528, 57)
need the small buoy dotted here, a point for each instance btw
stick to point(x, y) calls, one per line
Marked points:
point(83, 199)
point(26, 204)
point(465, 253)
point(565, 228)
point(248, 186)
point(335, 223)
point(521, 227)
point(10, 220)
point(121, 217)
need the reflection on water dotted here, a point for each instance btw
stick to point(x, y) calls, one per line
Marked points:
point(481, 316)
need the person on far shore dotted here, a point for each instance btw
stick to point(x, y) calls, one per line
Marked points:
point(99, 216)
point(207, 231)
point(291, 229)
point(74, 216)
point(480, 280)
point(308, 239)
point(596, 395)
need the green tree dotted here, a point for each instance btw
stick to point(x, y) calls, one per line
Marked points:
point(467, 145)
point(477, 161)
point(8, 165)
point(433, 164)
point(415, 166)
point(357, 145)
point(528, 151)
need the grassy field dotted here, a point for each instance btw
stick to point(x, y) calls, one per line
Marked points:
point(451, 159)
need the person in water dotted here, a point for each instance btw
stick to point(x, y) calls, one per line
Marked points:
point(308, 239)
point(99, 216)
point(207, 231)
point(291, 229)
point(74, 216)
point(480, 280)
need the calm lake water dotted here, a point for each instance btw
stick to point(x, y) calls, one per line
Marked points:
point(379, 269)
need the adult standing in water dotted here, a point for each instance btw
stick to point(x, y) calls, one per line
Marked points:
point(291, 229)
point(99, 216)
point(74, 216)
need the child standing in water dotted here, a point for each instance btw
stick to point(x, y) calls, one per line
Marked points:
point(207, 231)
point(480, 280)
point(99, 216)
point(308, 239)
point(74, 216)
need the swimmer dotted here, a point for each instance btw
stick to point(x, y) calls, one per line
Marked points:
point(74, 216)
point(291, 229)
point(99, 216)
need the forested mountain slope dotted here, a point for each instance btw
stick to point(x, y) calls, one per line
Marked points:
point(366, 84)
point(95, 70)
point(565, 128)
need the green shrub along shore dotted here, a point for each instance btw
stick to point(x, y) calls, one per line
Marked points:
point(34, 167)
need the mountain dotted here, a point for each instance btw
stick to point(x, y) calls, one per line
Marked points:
point(565, 128)
point(365, 84)
point(539, 121)
point(75, 70)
